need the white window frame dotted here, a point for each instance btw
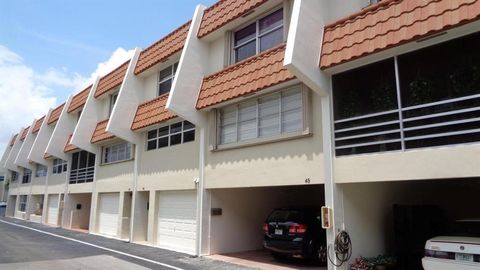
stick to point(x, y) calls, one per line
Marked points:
point(113, 100)
point(59, 166)
point(304, 132)
point(109, 148)
point(169, 135)
point(171, 77)
point(41, 170)
point(257, 33)
point(23, 203)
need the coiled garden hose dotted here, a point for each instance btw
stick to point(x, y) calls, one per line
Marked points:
point(342, 248)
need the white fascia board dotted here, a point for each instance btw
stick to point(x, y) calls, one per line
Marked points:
point(190, 72)
point(125, 108)
point(5, 154)
point(40, 144)
point(302, 54)
point(12, 156)
point(91, 113)
point(64, 127)
point(22, 157)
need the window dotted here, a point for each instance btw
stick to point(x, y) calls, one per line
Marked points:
point(2, 178)
point(14, 176)
point(82, 168)
point(173, 134)
point(27, 176)
point(270, 115)
point(22, 204)
point(59, 166)
point(165, 79)
point(113, 100)
point(117, 152)
point(41, 170)
point(258, 36)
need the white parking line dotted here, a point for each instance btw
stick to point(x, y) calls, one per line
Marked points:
point(92, 245)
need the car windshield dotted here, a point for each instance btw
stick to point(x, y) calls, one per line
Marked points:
point(286, 216)
point(467, 227)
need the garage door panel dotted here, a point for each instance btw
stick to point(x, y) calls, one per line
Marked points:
point(108, 214)
point(176, 227)
point(52, 206)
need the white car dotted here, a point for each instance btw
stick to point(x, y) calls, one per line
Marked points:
point(452, 253)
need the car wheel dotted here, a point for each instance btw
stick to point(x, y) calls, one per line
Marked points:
point(322, 255)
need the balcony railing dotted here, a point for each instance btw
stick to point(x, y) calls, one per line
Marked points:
point(82, 175)
point(446, 122)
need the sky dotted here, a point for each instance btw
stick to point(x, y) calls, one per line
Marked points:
point(51, 49)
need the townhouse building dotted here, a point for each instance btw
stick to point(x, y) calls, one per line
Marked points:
point(369, 109)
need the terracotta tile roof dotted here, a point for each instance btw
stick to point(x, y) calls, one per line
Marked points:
point(162, 49)
point(392, 23)
point(12, 141)
point(111, 80)
point(47, 155)
point(24, 133)
point(55, 114)
point(152, 112)
point(249, 76)
point(100, 134)
point(69, 147)
point(79, 99)
point(37, 125)
point(223, 12)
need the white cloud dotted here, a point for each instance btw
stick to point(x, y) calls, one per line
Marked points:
point(26, 94)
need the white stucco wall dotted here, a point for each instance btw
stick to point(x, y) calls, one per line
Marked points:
point(62, 131)
point(114, 177)
point(39, 146)
point(22, 157)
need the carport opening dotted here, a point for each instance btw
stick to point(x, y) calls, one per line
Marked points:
point(36, 208)
point(238, 214)
point(397, 218)
point(140, 220)
point(126, 215)
point(77, 211)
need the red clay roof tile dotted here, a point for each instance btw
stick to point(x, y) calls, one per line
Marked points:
point(249, 76)
point(100, 134)
point(55, 114)
point(37, 125)
point(79, 99)
point(223, 12)
point(111, 80)
point(24, 133)
point(152, 112)
point(12, 141)
point(162, 49)
point(70, 147)
point(391, 23)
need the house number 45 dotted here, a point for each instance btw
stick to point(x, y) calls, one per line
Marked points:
point(307, 181)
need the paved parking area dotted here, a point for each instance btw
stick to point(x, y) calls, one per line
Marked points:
point(27, 245)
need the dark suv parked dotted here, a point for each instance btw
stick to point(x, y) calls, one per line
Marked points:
point(295, 232)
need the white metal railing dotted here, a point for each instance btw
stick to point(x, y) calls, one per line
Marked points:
point(412, 127)
point(82, 175)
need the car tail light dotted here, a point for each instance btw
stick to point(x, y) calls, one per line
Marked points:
point(440, 254)
point(297, 229)
point(265, 228)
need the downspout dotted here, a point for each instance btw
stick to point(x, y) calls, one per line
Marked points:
point(200, 192)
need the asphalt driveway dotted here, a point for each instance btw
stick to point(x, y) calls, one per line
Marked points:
point(27, 245)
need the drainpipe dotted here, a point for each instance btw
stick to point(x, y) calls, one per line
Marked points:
point(200, 192)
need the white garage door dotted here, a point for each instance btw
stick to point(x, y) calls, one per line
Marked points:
point(177, 221)
point(108, 214)
point(52, 208)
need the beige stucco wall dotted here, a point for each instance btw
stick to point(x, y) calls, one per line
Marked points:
point(429, 163)
point(56, 183)
point(80, 188)
point(169, 168)
point(114, 177)
point(288, 162)
point(38, 184)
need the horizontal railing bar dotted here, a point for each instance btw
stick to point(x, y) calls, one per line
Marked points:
point(443, 124)
point(368, 126)
point(445, 134)
point(368, 135)
point(367, 144)
point(365, 116)
point(441, 102)
point(441, 114)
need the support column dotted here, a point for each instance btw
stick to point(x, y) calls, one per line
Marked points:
point(152, 202)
